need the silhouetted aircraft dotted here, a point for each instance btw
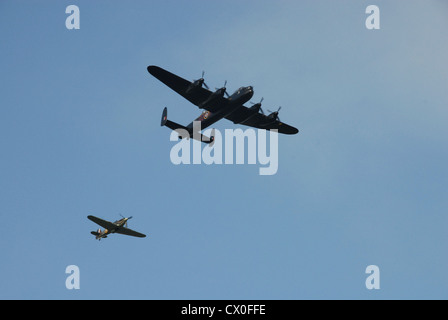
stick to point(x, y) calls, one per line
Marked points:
point(218, 105)
point(119, 226)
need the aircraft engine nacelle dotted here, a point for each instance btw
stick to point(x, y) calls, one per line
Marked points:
point(273, 116)
point(256, 107)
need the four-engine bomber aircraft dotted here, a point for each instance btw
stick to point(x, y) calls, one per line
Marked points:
point(216, 106)
point(119, 226)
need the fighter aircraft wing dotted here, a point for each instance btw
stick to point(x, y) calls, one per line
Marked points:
point(103, 223)
point(245, 116)
point(181, 86)
point(129, 232)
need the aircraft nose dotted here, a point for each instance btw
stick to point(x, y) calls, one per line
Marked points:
point(250, 91)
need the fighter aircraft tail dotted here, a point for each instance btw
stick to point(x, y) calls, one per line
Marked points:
point(98, 234)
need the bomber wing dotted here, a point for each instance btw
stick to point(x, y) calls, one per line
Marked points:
point(245, 116)
point(181, 86)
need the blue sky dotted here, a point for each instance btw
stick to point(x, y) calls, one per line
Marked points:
point(364, 182)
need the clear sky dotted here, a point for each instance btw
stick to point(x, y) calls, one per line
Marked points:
point(363, 183)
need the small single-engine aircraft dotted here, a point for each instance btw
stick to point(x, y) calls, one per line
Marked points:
point(119, 226)
point(218, 105)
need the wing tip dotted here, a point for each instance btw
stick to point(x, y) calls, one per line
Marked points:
point(153, 69)
point(289, 131)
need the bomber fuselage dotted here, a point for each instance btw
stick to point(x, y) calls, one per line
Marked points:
point(236, 100)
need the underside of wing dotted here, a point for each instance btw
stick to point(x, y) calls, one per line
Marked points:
point(181, 86)
point(249, 118)
point(130, 232)
point(103, 223)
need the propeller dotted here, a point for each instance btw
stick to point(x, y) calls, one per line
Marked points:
point(202, 81)
point(197, 83)
point(126, 223)
point(258, 105)
point(274, 114)
point(224, 89)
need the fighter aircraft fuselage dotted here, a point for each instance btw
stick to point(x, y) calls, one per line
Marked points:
point(119, 226)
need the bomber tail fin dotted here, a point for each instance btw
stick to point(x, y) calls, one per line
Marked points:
point(170, 124)
point(188, 132)
point(164, 117)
